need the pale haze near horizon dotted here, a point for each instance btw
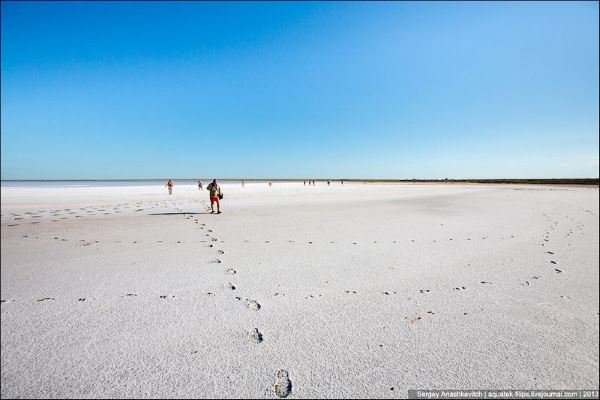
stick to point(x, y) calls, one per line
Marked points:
point(293, 90)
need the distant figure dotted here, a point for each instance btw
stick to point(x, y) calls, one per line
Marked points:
point(304, 183)
point(313, 182)
point(328, 182)
point(243, 184)
point(269, 184)
point(169, 186)
point(215, 195)
point(342, 182)
point(199, 185)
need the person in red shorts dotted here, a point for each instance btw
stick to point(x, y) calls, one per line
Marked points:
point(215, 195)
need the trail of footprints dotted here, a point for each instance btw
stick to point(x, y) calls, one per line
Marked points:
point(87, 242)
point(282, 387)
point(56, 215)
point(83, 242)
point(551, 229)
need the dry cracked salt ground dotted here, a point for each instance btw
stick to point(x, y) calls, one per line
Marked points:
point(341, 291)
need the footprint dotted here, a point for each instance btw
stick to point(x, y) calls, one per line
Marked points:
point(558, 271)
point(229, 286)
point(220, 252)
point(81, 299)
point(486, 283)
point(216, 261)
point(131, 294)
point(552, 262)
point(253, 305)
point(230, 271)
point(283, 385)
point(255, 336)
point(46, 298)
point(424, 290)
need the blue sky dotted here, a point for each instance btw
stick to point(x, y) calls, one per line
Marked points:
point(307, 89)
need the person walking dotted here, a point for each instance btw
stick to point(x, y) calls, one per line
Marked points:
point(215, 195)
point(199, 185)
point(169, 186)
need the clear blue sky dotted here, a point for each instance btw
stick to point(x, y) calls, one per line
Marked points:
point(387, 90)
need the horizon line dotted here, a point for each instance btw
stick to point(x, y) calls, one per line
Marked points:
point(304, 179)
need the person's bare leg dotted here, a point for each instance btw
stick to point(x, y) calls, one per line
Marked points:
point(218, 207)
